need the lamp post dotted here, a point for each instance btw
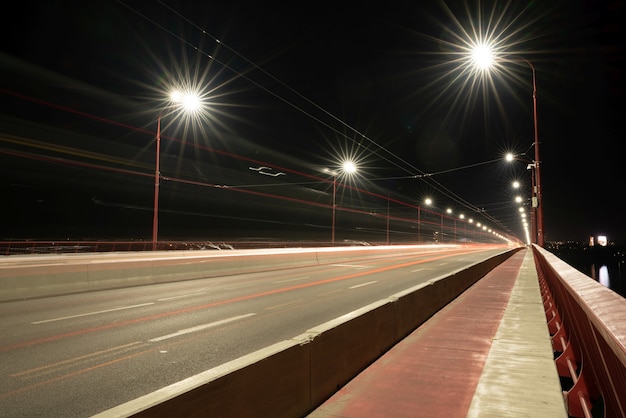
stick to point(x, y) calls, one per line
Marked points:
point(189, 102)
point(427, 202)
point(347, 167)
point(537, 171)
point(157, 177)
point(449, 212)
point(483, 57)
point(462, 216)
point(419, 223)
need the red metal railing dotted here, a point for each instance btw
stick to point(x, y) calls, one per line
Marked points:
point(587, 324)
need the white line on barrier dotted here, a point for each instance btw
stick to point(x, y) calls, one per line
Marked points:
point(199, 328)
point(91, 313)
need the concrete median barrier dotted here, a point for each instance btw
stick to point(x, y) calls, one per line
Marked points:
point(293, 377)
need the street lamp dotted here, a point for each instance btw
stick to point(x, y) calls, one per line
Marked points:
point(484, 57)
point(534, 200)
point(189, 102)
point(427, 202)
point(347, 167)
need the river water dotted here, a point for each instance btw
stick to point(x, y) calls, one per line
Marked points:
point(606, 265)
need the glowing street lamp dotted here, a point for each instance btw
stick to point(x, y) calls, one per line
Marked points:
point(349, 168)
point(484, 57)
point(427, 202)
point(533, 214)
point(189, 102)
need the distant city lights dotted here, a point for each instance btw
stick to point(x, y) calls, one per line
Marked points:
point(600, 240)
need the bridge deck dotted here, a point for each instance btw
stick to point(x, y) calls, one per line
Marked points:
point(486, 354)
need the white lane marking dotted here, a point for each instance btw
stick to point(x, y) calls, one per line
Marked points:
point(416, 270)
point(351, 265)
point(181, 296)
point(283, 304)
point(292, 280)
point(91, 313)
point(199, 328)
point(442, 264)
point(331, 292)
point(362, 284)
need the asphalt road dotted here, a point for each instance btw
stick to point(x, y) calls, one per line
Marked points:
point(77, 355)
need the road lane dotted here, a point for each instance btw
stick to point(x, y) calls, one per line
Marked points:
point(80, 354)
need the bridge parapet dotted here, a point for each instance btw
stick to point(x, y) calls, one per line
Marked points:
point(588, 331)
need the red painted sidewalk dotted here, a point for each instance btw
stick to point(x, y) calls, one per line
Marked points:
point(435, 371)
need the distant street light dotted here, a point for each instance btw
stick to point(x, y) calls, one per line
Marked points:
point(484, 56)
point(347, 167)
point(189, 102)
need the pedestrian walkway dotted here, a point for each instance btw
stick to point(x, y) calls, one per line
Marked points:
point(486, 354)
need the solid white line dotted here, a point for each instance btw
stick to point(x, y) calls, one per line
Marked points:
point(199, 328)
point(362, 284)
point(91, 313)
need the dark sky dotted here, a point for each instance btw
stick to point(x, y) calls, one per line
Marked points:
point(297, 87)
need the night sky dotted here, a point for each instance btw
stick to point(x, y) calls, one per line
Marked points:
point(298, 87)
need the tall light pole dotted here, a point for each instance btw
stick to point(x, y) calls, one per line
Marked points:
point(188, 102)
point(483, 56)
point(449, 212)
point(419, 223)
point(157, 181)
point(347, 167)
point(537, 170)
point(332, 240)
point(427, 202)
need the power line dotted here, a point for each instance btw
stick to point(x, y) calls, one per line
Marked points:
point(393, 159)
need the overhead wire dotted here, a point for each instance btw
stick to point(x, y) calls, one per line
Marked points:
point(411, 170)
